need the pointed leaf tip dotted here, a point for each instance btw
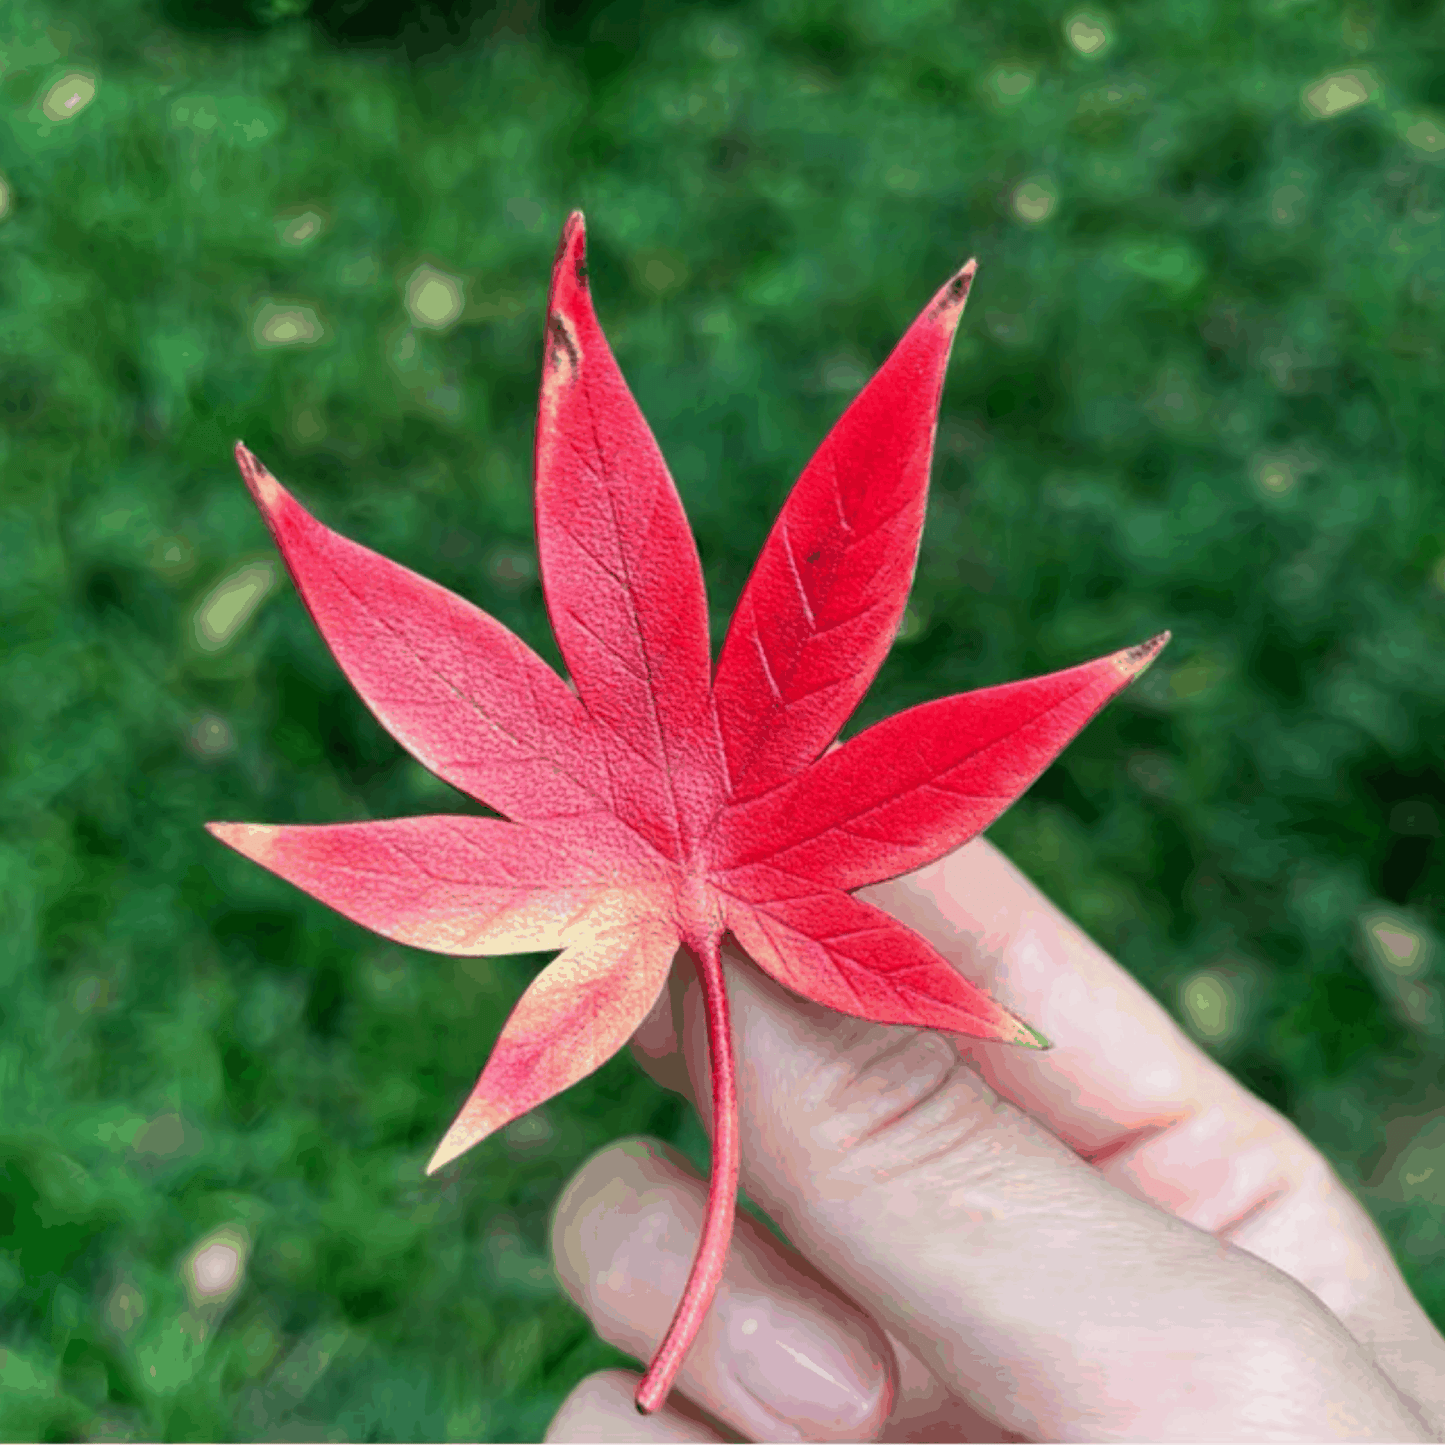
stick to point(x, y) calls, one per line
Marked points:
point(256, 841)
point(949, 303)
point(444, 1153)
point(572, 244)
point(477, 1121)
point(1011, 1029)
point(1035, 1040)
point(264, 488)
point(822, 604)
point(1136, 660)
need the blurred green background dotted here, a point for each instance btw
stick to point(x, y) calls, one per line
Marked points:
point(1197, 386)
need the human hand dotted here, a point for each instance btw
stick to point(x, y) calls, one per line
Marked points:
point(1108, 1241)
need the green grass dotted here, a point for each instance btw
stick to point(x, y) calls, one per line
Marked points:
point(1198, 386)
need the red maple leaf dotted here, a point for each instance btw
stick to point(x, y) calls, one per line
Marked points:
point(663, 803)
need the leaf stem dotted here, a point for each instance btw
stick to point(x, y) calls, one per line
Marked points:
point(712, 1250)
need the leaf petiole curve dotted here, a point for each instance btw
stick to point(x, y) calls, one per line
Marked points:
point(712, 1250)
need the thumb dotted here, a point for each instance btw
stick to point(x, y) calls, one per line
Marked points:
point(1060, 1306)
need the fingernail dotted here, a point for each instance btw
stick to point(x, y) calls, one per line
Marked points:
point(810, 1372)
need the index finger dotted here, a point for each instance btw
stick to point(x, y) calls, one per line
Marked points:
point(1120, 1068)
point(1126, 1089)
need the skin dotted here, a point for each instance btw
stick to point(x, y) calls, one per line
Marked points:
point(1108, 1241)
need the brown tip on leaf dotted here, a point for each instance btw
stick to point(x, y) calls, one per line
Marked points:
point(950, 300)
point(958, 287)
point(1135, 660)
point(640, 1408)
point(264, 488)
